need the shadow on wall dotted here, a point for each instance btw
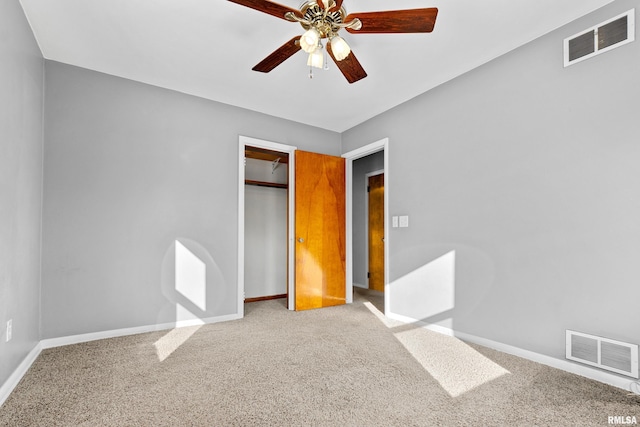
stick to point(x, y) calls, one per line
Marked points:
point(193, 284)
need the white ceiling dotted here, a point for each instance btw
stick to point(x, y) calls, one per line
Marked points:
point(208, 47)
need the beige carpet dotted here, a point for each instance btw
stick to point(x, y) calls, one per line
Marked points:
point(341, 366)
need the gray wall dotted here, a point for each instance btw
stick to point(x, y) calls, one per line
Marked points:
point(521, 177)
point(129, 170)
point(21, 119)
point(361, 167)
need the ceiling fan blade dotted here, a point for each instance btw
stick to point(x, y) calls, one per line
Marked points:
point(337, 6)
point(395, 21)
point(350, 67)
point(280, 55)
point(269, 7)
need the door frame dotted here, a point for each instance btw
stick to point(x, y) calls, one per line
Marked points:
point(366, 216)
point(243, 142)
point(374, 147)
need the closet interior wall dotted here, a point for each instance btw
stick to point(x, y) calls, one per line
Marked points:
point(266, 195)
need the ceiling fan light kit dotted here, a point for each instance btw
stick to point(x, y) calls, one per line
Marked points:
point(310, 40)
point(340, 48)
point(316, 58)
point(323, 19)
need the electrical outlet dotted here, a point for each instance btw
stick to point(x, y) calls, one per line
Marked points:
point(9, 329)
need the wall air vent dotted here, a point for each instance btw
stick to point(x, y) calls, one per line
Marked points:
point(608, 35)
point(604, 353)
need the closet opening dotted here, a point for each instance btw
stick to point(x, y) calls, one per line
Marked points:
point(266, 201)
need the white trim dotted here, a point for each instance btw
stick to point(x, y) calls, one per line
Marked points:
point(359, 285)
point(374, 173)
point(374, 147)
point(291, 250)
point(366, 218)
point(114, 333)
point(241, 168)
point(268, 145)
point(365, 150)
point(18, 373)
point(564, 365)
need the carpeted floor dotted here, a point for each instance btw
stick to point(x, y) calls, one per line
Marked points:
point(343, 366)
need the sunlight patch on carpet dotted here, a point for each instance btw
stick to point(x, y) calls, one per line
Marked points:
point(169, 343)
point(455, 365)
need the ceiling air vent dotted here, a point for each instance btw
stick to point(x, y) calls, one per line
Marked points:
point(604, 353)
point(599, 39)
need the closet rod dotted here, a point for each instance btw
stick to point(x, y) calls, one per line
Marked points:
point(265, 184)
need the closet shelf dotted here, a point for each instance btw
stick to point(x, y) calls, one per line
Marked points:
point(265, 184)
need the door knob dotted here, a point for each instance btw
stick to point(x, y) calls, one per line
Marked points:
point(300, 239)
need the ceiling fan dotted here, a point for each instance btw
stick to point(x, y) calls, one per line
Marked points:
point(323, 19)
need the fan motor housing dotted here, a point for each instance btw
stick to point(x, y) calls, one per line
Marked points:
point(316, 15)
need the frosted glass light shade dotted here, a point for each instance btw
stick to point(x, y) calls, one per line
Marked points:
point(316, 58)
point(339, 48)
point(309, 40)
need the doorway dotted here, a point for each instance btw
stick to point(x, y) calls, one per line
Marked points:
point(378, 146)
point(357, 245)
point(268, 146)
point(266, 195)
point(311, 262)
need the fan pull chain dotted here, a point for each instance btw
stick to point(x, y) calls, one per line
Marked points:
point(310, 72)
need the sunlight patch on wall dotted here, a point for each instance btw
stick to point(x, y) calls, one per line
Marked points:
point(191, 276)
point(433, 285)
point(185, 317)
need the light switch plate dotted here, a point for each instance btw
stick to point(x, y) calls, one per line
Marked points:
point(404, 221)
point(394, 221)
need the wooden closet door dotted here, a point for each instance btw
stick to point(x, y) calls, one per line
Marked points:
point(320, 226)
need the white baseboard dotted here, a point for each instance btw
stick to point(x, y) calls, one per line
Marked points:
point(21, 370)
point(564, 365)
point(77, 339)
point(360, 285)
